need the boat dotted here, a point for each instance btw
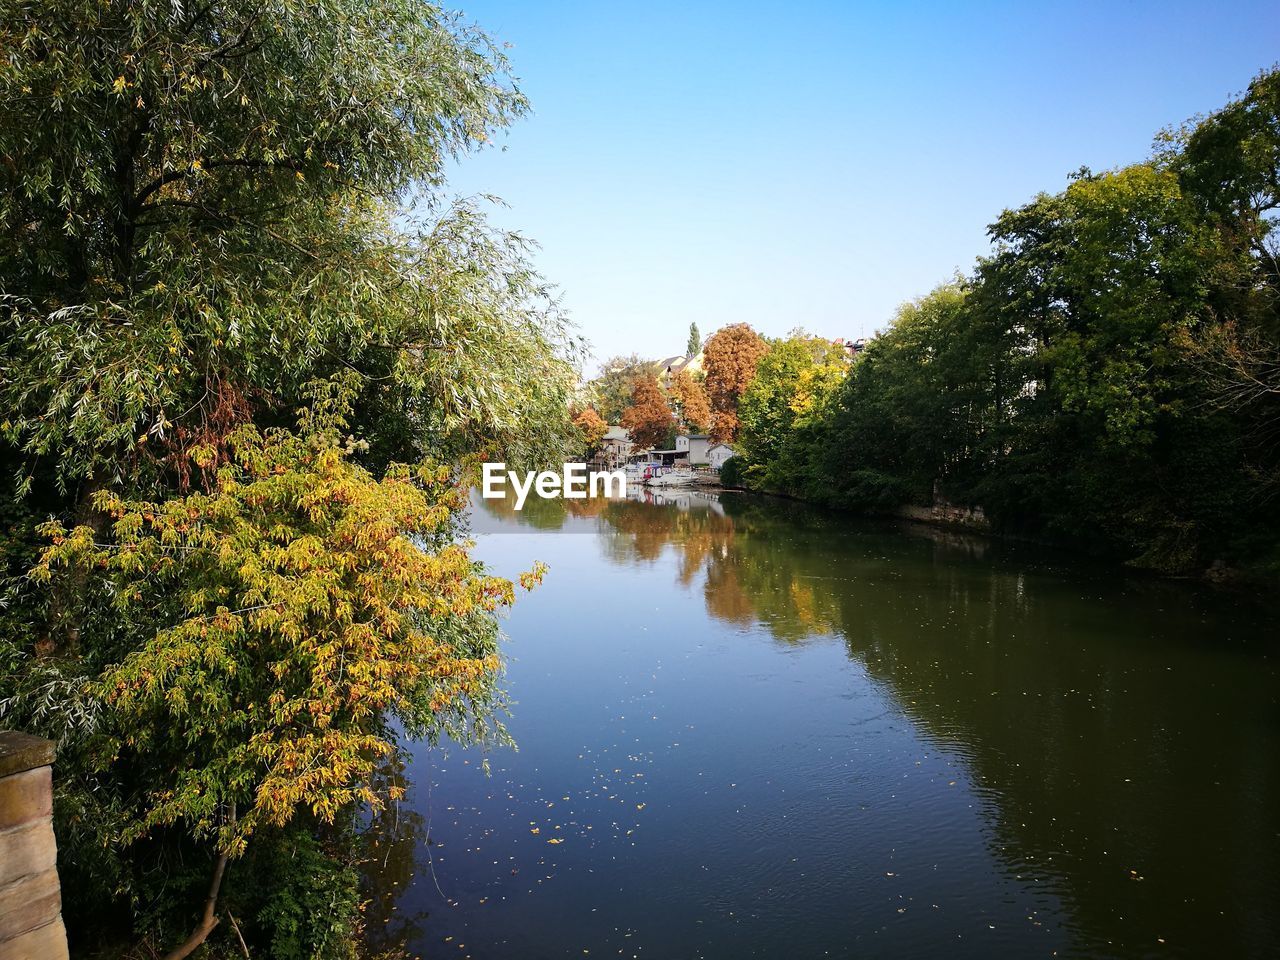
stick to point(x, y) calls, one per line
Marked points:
point(671, 478)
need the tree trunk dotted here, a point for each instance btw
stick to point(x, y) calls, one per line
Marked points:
point(208, 920)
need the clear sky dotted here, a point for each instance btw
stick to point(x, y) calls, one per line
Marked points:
point(816, 164)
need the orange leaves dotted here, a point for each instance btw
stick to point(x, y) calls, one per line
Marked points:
point(730, 357)
point(532, 578)
point(648, 419)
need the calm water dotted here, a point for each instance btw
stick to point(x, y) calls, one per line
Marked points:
point(749, 729)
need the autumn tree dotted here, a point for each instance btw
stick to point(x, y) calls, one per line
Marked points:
point(612, 389)
point(690, 400)
point(592, 429)
point(729, 358)
point(649, 419)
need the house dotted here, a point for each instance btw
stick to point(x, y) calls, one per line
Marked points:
point(718, 454)
point(615, 447)
point(696, 446)
point(669, 367)
point(851, 348)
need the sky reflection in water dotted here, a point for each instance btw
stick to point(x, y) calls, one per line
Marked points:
point(749, 728)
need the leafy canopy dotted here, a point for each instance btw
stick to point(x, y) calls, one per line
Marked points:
point(303, 606)
point(730, 356)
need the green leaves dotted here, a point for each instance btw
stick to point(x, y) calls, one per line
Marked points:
point(206, 202)
point(1107, 376)
point(298, 606)
point(233, 297)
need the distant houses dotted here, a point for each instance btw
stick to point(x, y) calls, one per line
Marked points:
point(690, 450)
point(851, 348)
point(663, 369)
point(615, 447)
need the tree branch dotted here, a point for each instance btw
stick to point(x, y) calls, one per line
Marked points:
point(209, 919)
point(174, 175)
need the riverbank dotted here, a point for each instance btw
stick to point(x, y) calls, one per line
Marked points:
point(975, 521)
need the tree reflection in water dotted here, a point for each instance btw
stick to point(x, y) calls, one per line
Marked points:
point(1122, 730)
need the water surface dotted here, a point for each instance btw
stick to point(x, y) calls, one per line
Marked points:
point(752, 729)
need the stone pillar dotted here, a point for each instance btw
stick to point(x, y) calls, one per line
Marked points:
point(30, 898)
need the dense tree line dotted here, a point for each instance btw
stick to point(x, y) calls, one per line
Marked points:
point(247, 347)
point(1109, 375)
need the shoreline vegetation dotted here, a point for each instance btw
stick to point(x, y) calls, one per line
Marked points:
point(1107, 379)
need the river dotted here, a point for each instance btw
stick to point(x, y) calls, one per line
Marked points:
point(747, 728)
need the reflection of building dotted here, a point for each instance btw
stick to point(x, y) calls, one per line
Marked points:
point(718, 454)
point(695, 446)
point(615, 447)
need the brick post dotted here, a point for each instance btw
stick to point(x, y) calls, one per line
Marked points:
point(30, 898)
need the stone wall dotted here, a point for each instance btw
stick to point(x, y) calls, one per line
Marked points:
point(948, 513)
point(30, 898)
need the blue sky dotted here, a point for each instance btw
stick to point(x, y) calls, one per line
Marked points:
point(816, 164)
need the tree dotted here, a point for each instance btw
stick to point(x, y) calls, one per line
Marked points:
point(306, 606)
point(1107, 376)
point(212, 220)
point(648, 419)
point(730, 358)
point(1227, 166)
point(794, 381)
point(592, 428)
point(694, 346)
point(615, 384)
point(690, 400)
point(203, 231)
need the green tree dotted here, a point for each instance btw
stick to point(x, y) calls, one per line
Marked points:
point(1106, 376)
point(694, 346)
point(1227, 165)
point(612, 389)
point(792, 384)
point(213, 216)
point(1112, 430)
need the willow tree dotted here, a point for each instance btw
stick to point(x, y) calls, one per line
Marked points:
point(201, 210)
point(212, 214)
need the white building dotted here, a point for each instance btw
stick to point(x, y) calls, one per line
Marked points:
point(696, 446)
point(615, 447)
point(718, 454)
